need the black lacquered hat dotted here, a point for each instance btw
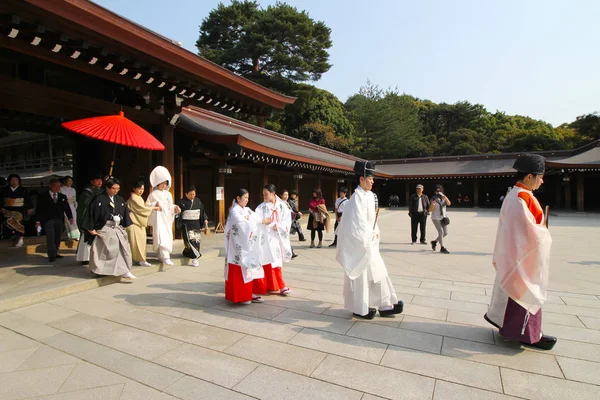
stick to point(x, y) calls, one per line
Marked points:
point(530, 163)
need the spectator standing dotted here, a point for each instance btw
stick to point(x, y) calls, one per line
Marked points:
point(52, 207)
point(418, 209)
point(440, 220)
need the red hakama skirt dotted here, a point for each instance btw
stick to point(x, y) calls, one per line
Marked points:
point(235, 289)
point(273, 280)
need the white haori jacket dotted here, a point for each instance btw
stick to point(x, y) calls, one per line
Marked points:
point(241, 242)
point(274, 242)
point(358, 238)
point(521, 256)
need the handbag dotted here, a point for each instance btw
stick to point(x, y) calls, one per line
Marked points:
point(445, 221)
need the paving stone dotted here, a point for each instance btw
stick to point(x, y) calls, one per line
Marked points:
point(571, 333)
point(502, 356)
point(473, 298)
point(531, 386)
point(203, 335)
point(11, 360)
point(266, 383)
point(571, 310)
point(45, 357)
point(374, 379)
point(450, 304)
point(398, 337)
point(468, 318)
point(478, 290)
point(138, 343)
point(145, 320)
point(209, 365)
point(190, 388)
point(25, 326)
point(579, 370)
point(425, 311)
point(264, 310)
point(346, 346)
point(444, 328)
point(301, 304)
point(135, 391)
point(86, 326)
point(32, 383)
point(420, 291)
point(44, 312)
point(90, 305)
point(326, 297)
point(562, 319)
point(317, 321)
point(591, 323)
point(100, 393)
point(452, 391)
point(88, 376)
point(14, 341)
point(445, 368)
point(131, 367)
point(575, 301)
point(279, 355)
point(337, 310)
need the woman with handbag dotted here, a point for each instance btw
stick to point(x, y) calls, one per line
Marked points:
point(318, 218)
point(440, 219)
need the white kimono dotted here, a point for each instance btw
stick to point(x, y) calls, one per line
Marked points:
point(241, 243)
point(161, 221)
point(275, 247)
point(366, 282)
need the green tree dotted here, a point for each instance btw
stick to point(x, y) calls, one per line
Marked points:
point(276, 46)
point(587, 127)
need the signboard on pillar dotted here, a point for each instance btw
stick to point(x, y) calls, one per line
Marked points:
point(220, 196)
point(220, 193)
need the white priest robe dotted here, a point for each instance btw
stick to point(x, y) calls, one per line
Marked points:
point(366, 282)
point(241, 243)
point(275, 247)
point(522, 261)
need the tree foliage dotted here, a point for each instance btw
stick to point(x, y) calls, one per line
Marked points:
point(276, 46)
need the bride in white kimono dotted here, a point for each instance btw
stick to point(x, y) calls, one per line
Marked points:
point(275, 247)
point(242, 258)
point(162, 221)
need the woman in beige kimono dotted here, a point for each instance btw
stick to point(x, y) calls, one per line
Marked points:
point(136, 232)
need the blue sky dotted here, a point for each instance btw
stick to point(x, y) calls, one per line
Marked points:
point(529, 57)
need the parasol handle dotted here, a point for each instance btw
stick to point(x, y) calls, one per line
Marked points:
point(547, 215)
point(112, 162)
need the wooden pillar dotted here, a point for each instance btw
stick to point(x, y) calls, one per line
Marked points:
point(168, 155)
point(557, 203)
point(568, 194)
point(220, 225)
point(335, 193)
point(319, 179)
point(296, 183)
point(580, 200)
point(476, 192)
point(265, 176)
point(407, 192)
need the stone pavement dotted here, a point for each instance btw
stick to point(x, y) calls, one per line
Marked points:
point(171, 335)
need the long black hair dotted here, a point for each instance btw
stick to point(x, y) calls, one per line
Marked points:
point(319, 193)
point(138, 184)
point(270, 187)
point(239, 194)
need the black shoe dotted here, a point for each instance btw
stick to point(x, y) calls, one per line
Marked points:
point(302, 240)
point(444, 250)
point(398, 308)
point(370, 315)
point(433, 244)
point(413, 243)
point(490, 321)
point(333, 245)
point(423, 241)
point(51, 259)
point(546, 343)
point(294, 255)
point(59, 256)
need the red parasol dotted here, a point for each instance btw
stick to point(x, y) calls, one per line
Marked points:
point(115, 129)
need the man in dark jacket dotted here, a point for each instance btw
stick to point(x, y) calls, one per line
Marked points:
point(418, 206)
point(52, 206)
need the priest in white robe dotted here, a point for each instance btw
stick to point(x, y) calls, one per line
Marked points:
point(366, 281)
point(162, 221)
point(522, 260)
point(242, 252)
point(274, 243)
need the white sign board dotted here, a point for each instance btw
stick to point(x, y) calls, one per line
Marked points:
point(220, 193)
